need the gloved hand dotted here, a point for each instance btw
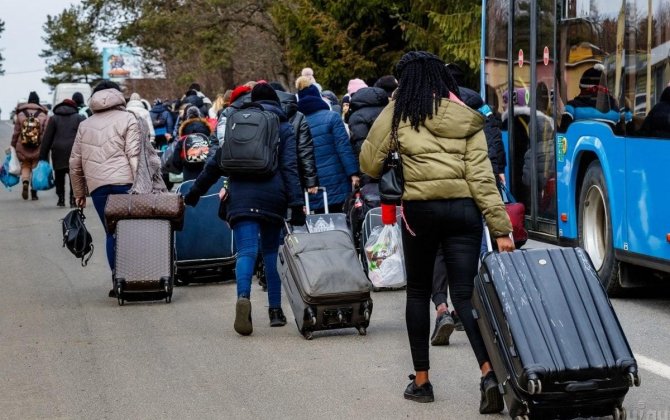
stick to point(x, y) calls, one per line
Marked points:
point(297, 216)
point(191, 198)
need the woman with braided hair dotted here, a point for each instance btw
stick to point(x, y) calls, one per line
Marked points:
point(448, 185)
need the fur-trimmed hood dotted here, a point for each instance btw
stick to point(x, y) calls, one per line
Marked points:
point(195, 125)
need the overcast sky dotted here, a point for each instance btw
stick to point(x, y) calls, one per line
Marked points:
point(21, 44)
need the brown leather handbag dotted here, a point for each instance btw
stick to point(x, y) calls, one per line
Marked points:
point(163, 206)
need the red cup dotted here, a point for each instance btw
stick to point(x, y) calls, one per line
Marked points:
point(389, 214)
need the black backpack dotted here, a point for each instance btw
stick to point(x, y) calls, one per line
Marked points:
point(251, 142)
point(76, 237)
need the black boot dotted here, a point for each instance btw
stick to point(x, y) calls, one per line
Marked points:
point(61, 200)
point(422, 394)
point(33, 195)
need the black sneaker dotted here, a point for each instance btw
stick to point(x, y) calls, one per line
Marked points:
point(243, 325)
point(112, 293)
point(33, 195)
point(277, 318)
point(458, 324)
point(444, 326)
point(422, 394)
point(61, 201)
point(492, 402)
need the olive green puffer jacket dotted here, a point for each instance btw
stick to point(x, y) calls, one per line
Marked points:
point(447, 158)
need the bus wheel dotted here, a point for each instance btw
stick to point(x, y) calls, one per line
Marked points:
point(595, 228)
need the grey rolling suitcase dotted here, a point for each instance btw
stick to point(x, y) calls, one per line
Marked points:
point(144, 260)
point(324, 282)
point(555, 343)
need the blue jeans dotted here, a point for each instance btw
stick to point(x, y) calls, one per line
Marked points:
point(246, 239)
point(99, 197)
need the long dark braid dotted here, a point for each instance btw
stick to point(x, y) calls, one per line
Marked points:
point(423, 80)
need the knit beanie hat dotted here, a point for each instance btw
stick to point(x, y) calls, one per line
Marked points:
point(70, 102)
point(106, 84)
point(78, 98)
point(388, 83)
point(135, 96)
point(33, 98)
point(354, 85)
point(192, 112)
point(263, 91)
point(239, 91)
point(310, 90)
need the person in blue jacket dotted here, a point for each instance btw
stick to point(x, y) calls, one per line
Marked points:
point(258, 206)
point(336, 164)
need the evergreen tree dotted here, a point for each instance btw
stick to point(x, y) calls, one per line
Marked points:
point(71, 55)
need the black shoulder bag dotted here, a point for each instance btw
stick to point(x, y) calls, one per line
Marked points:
point(392, 181)
point(76, 237)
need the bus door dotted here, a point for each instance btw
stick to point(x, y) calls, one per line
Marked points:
point(528, 110)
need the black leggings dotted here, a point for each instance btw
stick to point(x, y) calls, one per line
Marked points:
point(456, 225)
point(60, 181)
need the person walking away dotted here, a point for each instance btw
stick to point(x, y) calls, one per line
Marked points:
point(29, 128)
point(195, 137)
point(388, 83)
point(309, 180)
point(82, 108)
point(446, 321)
point(258, 206)
point(162, 122)
point(448, 184)
point(136, 106)
point(57, 141)
point(105, 154)
point(336, 164)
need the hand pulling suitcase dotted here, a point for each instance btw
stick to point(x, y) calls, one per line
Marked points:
point(324, 282)
point(555, 343)
point(144, 260)
point(204, 248)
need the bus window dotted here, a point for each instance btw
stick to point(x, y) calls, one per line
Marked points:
point(648, 70)
point(588, 48)
point(496, 53)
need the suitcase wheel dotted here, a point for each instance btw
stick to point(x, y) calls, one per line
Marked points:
point(521, 418)
point(366, 316)
point(534, 387)
point(633, 379)
point(362, 330)
point(619, 413)
point(168, 292)
point(308, 335)
point(119, 292)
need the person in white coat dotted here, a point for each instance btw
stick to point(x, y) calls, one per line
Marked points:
point(136, 106)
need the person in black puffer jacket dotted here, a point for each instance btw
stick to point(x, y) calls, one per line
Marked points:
point(258, 206)
point(366, 105)
point(194, 124)
point(58, 140)
point(305, 146)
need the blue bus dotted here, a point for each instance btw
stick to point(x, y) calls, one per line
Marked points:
point(582, 88)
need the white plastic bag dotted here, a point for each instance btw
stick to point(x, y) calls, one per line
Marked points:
point(384, 256)
point(14, 164)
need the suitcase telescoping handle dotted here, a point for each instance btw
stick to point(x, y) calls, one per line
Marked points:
point(325, 200)
point(487, 235)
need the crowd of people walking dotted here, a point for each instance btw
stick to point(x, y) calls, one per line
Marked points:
point(436, 126)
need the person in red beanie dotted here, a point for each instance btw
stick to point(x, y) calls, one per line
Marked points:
point(58, 140)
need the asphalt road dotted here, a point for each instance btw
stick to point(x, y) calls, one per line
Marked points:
point(67, 351)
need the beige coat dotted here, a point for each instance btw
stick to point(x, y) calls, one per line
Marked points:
point(447, 158)
point(107, 147)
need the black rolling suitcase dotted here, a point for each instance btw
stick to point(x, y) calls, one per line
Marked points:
point(324, 282)
point(555, 343)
